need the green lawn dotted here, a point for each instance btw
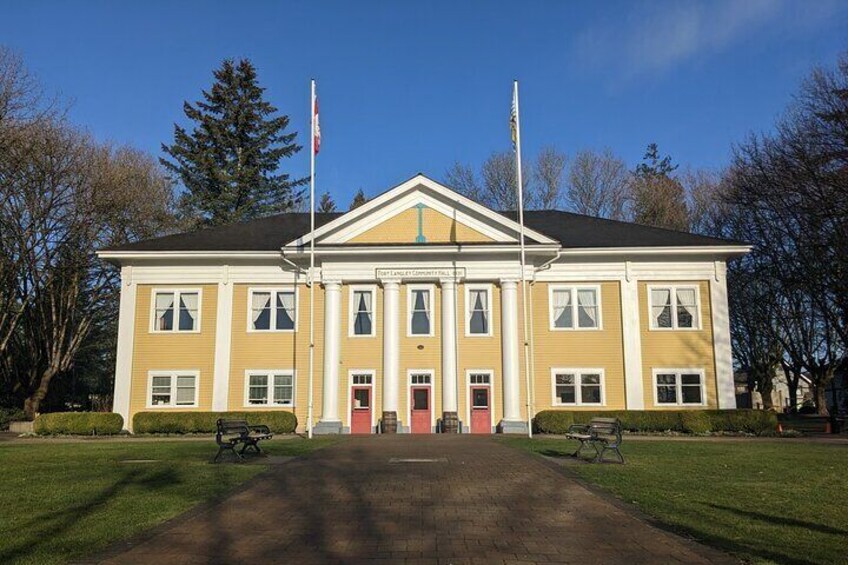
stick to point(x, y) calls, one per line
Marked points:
point(781, 502)
point(62, 501)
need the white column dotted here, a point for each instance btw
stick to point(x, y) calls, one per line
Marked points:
point(509, 348)
point(721, 338)
point(391, 350)
point(330, 422)
point(632, 339)
point(223, 338)
point(448, 345)
point(123, 357)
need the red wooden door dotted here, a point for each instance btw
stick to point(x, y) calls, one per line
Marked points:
point(420, 410)
point(481, 420)
point(360, 410)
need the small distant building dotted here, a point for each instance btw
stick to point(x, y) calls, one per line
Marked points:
point(747, 398)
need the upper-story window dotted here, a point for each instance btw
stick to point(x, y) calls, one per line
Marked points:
point(272, 310)
point(176, 310)
point(478, 313)
point(420, 307)
point(575, 307)
point(362, 311)
point(674, 307)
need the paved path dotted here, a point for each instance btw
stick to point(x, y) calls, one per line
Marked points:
point(379, 498)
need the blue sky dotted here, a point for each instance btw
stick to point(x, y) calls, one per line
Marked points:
point(414, 86)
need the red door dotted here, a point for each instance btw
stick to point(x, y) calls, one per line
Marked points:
point(420, 409)
point(360, 410)
point(481, 421)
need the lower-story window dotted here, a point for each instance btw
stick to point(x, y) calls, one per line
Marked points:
point(578, 387)
point(679, 387)
point(270, 388)
point(172, 388)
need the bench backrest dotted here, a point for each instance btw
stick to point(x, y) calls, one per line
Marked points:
point(606, 427)
point(232, 427)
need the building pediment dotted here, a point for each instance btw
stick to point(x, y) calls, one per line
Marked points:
point(420, 211)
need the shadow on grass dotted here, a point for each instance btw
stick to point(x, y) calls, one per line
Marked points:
point(56, 524)
point(783, 520)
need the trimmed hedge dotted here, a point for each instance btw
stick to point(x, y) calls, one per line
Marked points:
point(757, 422)
point(10, 415)
point(205, 422)
point(79, 423)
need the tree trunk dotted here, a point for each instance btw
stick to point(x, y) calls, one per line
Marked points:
point(820, 395)
point(792, 380)
point(33, 403)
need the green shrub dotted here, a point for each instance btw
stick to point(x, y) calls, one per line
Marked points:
point(696, 422)
point(79, 423)
point(205, 422)
point(10, 415)
point(758, 422)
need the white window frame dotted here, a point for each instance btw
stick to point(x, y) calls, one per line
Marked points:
point(573, 289)
point(176, 292)
point(270, 373)
point(491, 385)
point(173, 374)
point(372, 385)
point(430, 385)
point(273, 324)
point(652, 324)
point(431, 301)
point(678, 380)
point(490, 299)
point(578, 381)
point(372, 288)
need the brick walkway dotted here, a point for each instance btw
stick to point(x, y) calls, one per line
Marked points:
point(367, 499)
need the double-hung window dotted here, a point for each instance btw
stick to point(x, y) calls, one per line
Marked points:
point(362, 311)
point(176, 310)
point(679, 387)
point(578, 387)
point(575, 307)
point(272, 310)
point(172, 389)
point(420, 307)
point(478, 310)
point(674, 307)
point(270, 388)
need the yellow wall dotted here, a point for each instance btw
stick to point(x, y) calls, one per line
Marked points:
point(674, 349)
point(429, 357)
point(480, 353)
point(578, 349)
point(173, 350)
point(360, 353)
point(438, 228)
point(277, 351)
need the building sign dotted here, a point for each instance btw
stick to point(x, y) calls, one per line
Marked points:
point(447, 273)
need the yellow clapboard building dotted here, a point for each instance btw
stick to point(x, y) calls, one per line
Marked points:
point(419, 317)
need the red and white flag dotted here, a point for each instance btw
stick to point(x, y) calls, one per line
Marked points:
point(316, 128)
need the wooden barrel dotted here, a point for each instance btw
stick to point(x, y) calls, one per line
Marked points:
point(389, 423)
point(450, 422)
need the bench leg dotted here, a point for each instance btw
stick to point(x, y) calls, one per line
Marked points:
point(615, 450)
point(579, 449)
point(224, 448)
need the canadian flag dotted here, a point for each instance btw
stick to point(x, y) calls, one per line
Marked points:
point(316, 128)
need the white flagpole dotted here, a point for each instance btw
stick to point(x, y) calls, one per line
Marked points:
point(311, 258)
point(520, 190)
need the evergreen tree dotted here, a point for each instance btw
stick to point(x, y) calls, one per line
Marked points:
point(229, 162)
point(358, 200)
point(326, 203)
point(658, 198)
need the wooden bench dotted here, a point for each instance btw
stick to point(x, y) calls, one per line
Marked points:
point(232, 433)
point(602, 434)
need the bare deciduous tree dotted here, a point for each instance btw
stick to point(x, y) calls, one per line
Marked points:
point(599, 185)
point(549, 178)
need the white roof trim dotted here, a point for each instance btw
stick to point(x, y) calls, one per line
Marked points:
point(411, 184)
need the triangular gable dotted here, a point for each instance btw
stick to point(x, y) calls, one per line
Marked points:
point(392, 218)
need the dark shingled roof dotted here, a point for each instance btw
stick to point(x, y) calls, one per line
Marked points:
point(571, 230)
